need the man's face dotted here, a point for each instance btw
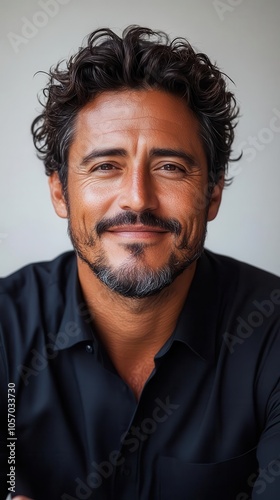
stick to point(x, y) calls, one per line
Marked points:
point(137, 196)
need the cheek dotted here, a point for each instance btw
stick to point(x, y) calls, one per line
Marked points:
point(192, 214)
point(89, 204)
point(188, 204)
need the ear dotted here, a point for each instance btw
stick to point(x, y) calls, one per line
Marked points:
point(215, 199)
point(57, 196)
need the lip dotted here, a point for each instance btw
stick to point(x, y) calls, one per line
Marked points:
point(137, 229)
point(137, 232)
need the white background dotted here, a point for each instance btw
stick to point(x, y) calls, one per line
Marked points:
point(243, 36)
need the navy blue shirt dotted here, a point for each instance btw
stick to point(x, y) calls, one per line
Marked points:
point(207, 424)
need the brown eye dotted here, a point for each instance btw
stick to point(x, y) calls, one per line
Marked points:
point(170, 167)
point(105, 166)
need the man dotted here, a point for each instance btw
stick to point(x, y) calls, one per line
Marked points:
point(141, 366)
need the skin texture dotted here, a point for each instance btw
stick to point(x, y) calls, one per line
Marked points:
point(136, 180)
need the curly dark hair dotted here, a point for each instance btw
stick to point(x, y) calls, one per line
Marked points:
point(141, 59)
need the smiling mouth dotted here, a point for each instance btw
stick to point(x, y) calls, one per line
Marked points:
point(137, 231)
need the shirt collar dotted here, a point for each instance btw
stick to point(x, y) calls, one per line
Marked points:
point(75, 325)
point(197, 323)
point(196, 326)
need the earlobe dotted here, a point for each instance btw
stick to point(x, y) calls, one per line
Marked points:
point(216, 198)
point(57, 196)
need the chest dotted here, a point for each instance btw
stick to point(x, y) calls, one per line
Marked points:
point(137, 375)
point(81, 418)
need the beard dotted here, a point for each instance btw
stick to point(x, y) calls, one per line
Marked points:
point(134, 279)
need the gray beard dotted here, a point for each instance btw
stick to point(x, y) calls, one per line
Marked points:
point(139, 281)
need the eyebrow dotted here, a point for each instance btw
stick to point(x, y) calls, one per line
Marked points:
point(178, 153)
point(100, 153)
point(154, 153)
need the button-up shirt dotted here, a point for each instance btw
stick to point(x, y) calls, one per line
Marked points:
point(206, 426)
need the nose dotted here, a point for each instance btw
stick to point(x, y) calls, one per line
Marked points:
point(138, 192)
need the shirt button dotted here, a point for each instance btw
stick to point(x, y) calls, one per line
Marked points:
point(89, 348)
point(126, 471)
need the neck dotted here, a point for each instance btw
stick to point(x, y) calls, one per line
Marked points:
point(134, 330)
point(133, 326)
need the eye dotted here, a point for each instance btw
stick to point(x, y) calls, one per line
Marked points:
point(171, 171)
point(104, 167)
point(170, 167)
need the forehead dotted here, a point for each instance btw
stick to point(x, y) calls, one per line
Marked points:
point(151, 116)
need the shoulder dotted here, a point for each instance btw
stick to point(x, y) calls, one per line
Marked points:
point(32, 303)
point(249, 310)
point(248, 297)
point(33, 296)
point(36, 276)
point(244, 278)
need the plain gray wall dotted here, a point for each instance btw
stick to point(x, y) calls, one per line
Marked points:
point(243, 36)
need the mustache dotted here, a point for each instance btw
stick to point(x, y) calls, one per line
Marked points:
point(145, 218)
